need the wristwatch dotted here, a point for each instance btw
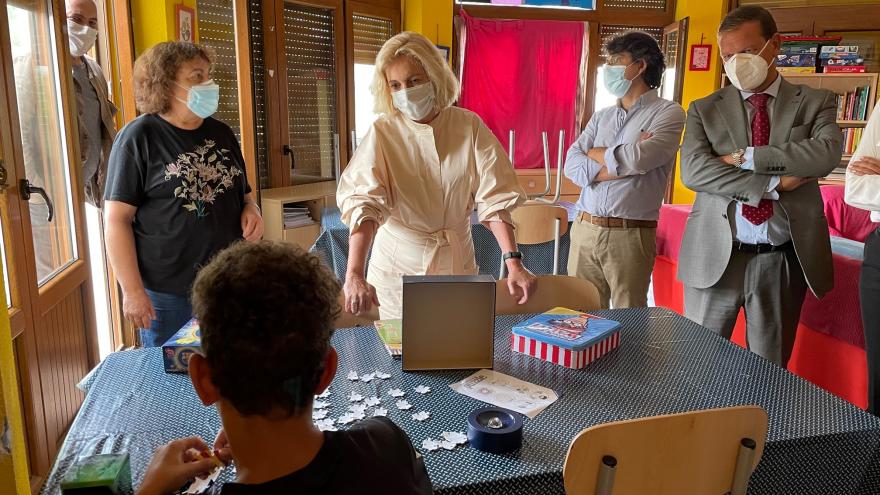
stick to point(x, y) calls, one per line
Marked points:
point(738, 157)
point(511, 254)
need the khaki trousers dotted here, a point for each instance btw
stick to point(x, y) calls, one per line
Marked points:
point(618, 261)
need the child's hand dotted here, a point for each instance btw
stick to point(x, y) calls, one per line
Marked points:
point(173, 465)
point(221, 447)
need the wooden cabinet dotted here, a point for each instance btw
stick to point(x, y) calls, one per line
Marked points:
point(315, 197)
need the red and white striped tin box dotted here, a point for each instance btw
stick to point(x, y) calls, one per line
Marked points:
point(565, 357)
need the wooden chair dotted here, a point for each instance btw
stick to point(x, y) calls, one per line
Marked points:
point(348, 320)
point(537, 223)
point(553, 290)
point(699, 452)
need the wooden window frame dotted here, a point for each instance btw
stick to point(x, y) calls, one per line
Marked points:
point(375, 10)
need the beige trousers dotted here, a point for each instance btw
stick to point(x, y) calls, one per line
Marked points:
point(618, 261)
point(399, 250)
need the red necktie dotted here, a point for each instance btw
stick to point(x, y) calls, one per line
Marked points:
point(760, 137)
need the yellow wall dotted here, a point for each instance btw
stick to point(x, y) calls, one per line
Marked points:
point(152, 21)
point(704, 18)
point(13, 468)
point(433, 18)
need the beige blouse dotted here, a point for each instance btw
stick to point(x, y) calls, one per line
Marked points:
point(420, 183)
point(426, 175)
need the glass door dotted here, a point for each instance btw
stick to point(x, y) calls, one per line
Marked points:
point(43, 223)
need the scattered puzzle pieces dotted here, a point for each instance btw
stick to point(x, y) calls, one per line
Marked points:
point(357, 408)
point(372, 401)
point(352, 375)
point(355, 397)
point(422, 389)
point(368, 377)
point(455, 437)
point(396, 392)
point(326, 424)
point(319, 414)
point(403, 405)
point(421, 416)
point(320, 404)
point(430, 444)
point(382, 376)
point(380, 411)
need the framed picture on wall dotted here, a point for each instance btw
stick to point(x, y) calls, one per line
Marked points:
point(184, 23)
point(701, 57)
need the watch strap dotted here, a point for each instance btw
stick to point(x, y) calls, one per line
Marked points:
point(511, 254)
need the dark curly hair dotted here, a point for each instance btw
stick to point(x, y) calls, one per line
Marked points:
point(266, 312)
point(640, 46)
point(156, 70)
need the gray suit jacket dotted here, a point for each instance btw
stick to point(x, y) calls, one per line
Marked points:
point(805, 141)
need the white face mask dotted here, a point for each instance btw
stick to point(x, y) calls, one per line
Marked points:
point(747, 71)
point(415, 103)
point(81, 38)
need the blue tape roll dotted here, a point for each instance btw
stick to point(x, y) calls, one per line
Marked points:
point(495, 430)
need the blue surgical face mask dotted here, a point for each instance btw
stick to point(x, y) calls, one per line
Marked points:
point(615, 81)
point(202, 99)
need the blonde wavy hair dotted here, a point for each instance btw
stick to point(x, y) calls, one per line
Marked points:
point(422, 51)
point(156, 70)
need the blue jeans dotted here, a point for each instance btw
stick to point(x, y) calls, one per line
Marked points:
point(172, 312)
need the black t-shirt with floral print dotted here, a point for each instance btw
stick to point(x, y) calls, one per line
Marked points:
point(188, 187)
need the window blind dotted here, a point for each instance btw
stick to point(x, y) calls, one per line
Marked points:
point(369, 34)
point(258, 65)
point(217, 31)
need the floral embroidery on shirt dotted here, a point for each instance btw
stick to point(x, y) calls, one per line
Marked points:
point(204, 175)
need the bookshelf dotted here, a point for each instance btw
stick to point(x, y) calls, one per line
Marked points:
point(841, 84)
point(315, 197)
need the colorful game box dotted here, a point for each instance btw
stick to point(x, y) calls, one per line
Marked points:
point(108, 474)
point(180, 347)
point(565, 337)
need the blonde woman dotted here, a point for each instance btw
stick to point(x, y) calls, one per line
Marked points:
point(415, 179)
point(863, 191)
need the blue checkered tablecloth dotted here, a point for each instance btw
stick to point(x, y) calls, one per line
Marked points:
point(332, 247)
point(816, 444)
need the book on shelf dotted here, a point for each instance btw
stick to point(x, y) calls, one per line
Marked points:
point(796, 70)
point(854, 105)
point(844, 69)
point(851, 138)
point(297, 216)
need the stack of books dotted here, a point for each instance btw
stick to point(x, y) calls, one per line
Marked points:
point(800, 54)
point(841, 59)
point(851, 138)
point(296, 216)
point(854, 104)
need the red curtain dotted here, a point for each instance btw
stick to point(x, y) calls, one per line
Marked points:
point(523, 75)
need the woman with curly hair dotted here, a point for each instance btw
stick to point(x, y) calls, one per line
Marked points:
point(176, 189)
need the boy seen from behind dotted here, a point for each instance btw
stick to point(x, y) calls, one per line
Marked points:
point(266, 313)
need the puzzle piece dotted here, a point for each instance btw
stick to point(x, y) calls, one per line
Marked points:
point(430, 444)
point(380, 411)
point(396, 392)
point(372, 401)
point(421, 416)
point(352, 375)
point(403, 405)
point(422, 389)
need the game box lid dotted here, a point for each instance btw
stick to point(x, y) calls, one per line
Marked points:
point(566, 328)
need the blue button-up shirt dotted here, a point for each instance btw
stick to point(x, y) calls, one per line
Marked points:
point(646, 164)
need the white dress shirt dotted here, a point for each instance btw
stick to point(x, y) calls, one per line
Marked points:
point(775, 230)
point(863, 191)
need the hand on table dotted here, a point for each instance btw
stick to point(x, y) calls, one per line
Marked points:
point(251, 223)
point(520, 281)
point(788, 183)
point(865, 166)
point(360, 296)
point(174, 464)
point(138, 309)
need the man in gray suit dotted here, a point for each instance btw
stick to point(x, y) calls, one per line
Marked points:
point(757, 235)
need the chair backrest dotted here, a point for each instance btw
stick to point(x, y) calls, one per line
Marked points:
point(688, 453)
point(553, 290)
point(348, 320)
point(535, 222)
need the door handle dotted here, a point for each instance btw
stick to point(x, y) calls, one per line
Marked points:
point(287, 150)
point(4, 178)
point(27, 189)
